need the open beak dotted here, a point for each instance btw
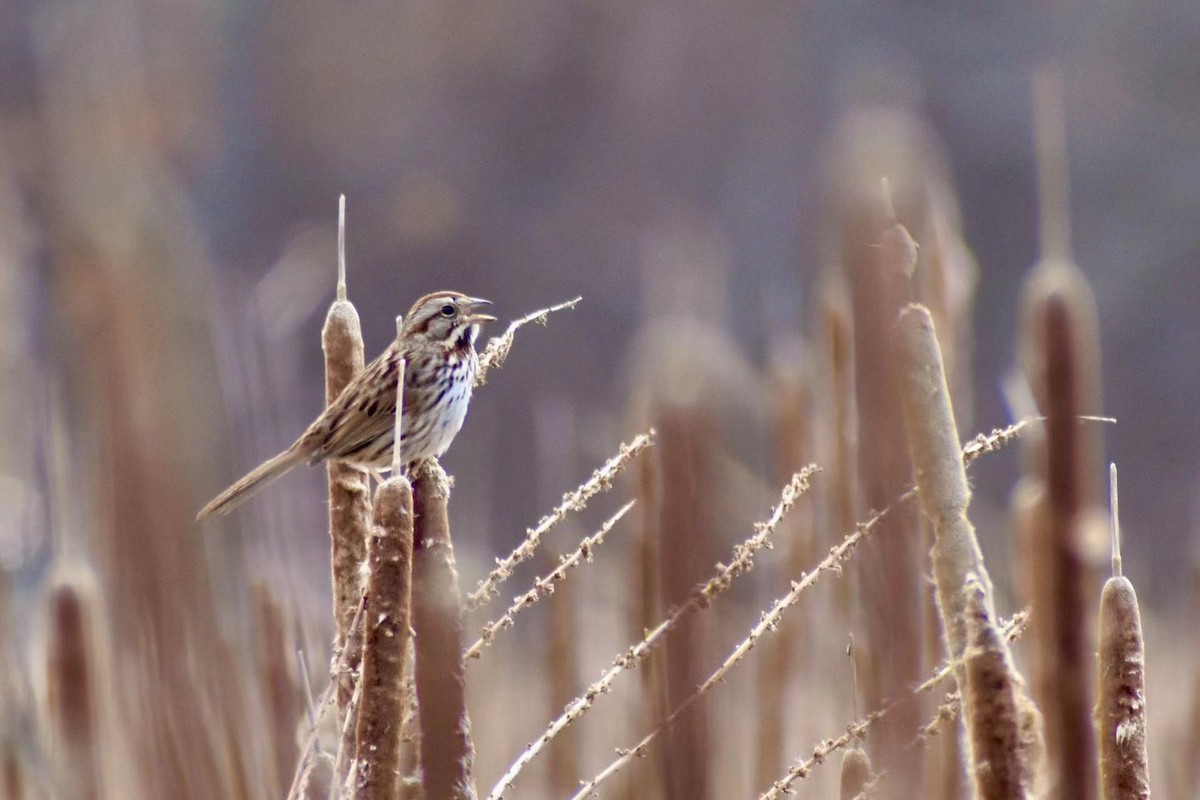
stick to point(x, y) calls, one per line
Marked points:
point(480, 318)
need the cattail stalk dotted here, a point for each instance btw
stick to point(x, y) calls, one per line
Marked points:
point(1060, 358)
point(999, 767)
point(389, 596)
point(856, 774)
point(349, 487)
point(782, 660)
point(842, 492)
point(447, 752)
point(941, 479)
point(877, 252)
point(275, 682)
point(71, 682)
point(1121, 685)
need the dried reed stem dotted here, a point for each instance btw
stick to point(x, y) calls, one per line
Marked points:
point(577, 500)
point(545, 585)
point(349, 487)
point(785, 654)
point(389, 598)
point(769, 621)
point(879, 258)
point(856, 731)
point(276, 683)
point(304, 767)
point(996, 729)
point(447, 752)
point(856, 774)
point(498, 347)
point(839, 346)
point(701, 598)
point(1121, 686)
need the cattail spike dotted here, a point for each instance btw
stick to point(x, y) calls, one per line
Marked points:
point(341, 252)
point(1115, 520)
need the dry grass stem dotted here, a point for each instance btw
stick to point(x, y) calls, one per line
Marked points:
point(701, 598)
point(1012, 630)
point(447, 750)
point(854, 732)
point(328, 695)
point(857, 730)
point(1121, 686)
point(577, 500)
point(769, 621)
point(385, 639)
point(545, 585)
point(985, 443)
point(498, 347)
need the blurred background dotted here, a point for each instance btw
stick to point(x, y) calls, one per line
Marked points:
point(169, 175)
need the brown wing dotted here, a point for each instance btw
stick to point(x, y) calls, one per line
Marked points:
point(361, 414)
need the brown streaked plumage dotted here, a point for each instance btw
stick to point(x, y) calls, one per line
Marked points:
point(437, 343)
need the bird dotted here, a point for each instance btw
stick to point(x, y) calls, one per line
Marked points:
point(436, 342)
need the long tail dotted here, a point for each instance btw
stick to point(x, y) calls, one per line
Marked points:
point(258, 479)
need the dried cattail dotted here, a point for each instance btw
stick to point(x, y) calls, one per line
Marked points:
point(349, 487)
point(856, 774)
point(1060, 358)
point(1121, 683)
point(937, 457)
point(555, 435)
point(1059, 353)
point(73, 670)
point(998, 763)
point(878, 256)
point(276, 683)
point(410, 735)
point(839, 377)
point(687, 456)
point(942, 481)
point(389, 597)
point(646, 610)
point(790, 412)
point(447, 752)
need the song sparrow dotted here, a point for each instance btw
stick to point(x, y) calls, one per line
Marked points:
point(437, 343)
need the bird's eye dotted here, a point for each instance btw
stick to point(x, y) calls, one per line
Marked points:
point(448, 310)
